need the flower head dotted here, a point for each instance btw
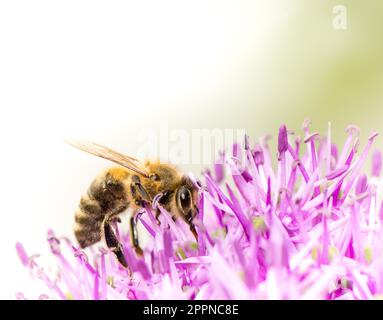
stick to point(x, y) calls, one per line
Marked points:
point(309, 227)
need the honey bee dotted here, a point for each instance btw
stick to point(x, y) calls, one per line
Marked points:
point(129, 185)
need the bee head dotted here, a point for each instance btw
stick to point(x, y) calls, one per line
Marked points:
point(180, 195)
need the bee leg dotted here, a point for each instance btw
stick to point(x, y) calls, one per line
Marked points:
point(193, 230)
point(140, 189)
point(113, 243)
point(189, 221)
point(158, 212)
point(134, 237)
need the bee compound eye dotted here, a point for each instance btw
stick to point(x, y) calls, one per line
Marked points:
point(184, 199)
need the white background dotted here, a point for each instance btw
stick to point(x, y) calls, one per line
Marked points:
point(100, 70)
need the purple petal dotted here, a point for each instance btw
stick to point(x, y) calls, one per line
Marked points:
point(282, 139)
point(376, 163)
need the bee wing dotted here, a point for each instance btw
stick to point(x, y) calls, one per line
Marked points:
point(109, 154)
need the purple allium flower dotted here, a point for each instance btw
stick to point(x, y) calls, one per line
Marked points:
point(309, 227)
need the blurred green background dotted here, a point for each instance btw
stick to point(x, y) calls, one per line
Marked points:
point(301, 67)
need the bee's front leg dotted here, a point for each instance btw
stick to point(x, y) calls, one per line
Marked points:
point(193, 230)
point(137, 187)
point(134, 236)
point(113, 243)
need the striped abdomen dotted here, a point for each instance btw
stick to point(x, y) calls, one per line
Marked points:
point(105, 197)
point(88, 219)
